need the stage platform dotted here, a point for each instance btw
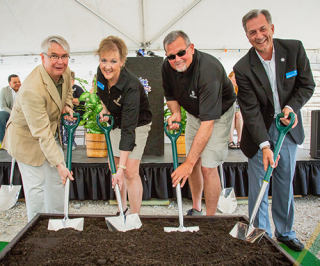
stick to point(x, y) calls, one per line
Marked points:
point(92, 175)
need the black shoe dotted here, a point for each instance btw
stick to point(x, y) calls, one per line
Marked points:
point(125, 212)
point(294, 244)
point(194, 212)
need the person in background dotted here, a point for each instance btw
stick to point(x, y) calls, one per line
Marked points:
point(123, 96)
point(94, 86)
point(7, 98)
point(32, 135)
point(273, 77)
point(237, 120)
point(198, 82)
point(77, 91)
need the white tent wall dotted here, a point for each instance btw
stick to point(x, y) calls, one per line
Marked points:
point(214, 26)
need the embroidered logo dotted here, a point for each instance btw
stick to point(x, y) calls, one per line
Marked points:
point(192, 95)
point(117, 101)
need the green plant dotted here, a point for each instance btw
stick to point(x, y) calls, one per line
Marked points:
point(167, 114)
point(92, 108)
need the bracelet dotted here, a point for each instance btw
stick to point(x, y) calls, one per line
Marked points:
point(121, 166)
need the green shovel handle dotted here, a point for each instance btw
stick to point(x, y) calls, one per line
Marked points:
point(173, 138)
point(70, 129)
point(283, 130)
point(106, 130)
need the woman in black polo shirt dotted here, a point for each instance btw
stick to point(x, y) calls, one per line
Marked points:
point(123, 96)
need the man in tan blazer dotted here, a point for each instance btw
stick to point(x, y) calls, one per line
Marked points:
point(32, 135)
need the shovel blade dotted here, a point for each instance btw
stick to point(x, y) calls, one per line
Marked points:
point(244, 232)
point(227, 201)
point(123, 223)
point(181, 229)
point(56, 224)
point(9, 196)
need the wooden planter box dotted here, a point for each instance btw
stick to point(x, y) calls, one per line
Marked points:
point(96, 145)
point(181, 145)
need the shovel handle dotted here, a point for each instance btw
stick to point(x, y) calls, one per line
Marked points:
point(70, 129)
point(173, 138)
point(106, 130)
point(283, 130)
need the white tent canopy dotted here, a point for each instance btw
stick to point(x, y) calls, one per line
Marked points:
point(210, 24)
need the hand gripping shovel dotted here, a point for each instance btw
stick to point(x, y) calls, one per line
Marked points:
point(77, 223)
point(249, 233)
point(122, 222)
point(227, 199)
point(9, 194)
point(173, 138)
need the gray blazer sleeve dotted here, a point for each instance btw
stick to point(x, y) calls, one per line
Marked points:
point(6, 99)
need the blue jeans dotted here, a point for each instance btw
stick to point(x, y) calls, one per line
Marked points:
point(4, 117)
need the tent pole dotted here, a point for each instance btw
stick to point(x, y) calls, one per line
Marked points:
point(174, 22)
point(108, 22)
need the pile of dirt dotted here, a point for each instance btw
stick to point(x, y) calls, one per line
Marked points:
point(150, 245)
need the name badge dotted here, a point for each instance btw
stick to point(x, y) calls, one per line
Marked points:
point(291, 74)
point(100, 85)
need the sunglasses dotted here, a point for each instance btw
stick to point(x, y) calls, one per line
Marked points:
point(180, 54)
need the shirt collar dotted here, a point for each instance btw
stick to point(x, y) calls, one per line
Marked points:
point(265, 61)
point(60, 81)
point(122, 81)
point(12, 90)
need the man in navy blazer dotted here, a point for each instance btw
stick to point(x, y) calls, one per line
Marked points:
point(273, 77)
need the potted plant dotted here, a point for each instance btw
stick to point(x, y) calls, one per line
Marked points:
point(181, 144)
point(95, 139)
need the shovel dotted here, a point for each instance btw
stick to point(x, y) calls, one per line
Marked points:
point(250, 233)
point(122, 222)
point(173, 138)
point(9, 194)
point(227, 199)
point(77, 223)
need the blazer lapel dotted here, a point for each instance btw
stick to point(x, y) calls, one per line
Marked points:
point(51, 88)
point(281, 59)
point(261, 74)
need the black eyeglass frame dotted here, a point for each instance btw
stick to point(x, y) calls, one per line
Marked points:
point(180, 54)
point(50, 56)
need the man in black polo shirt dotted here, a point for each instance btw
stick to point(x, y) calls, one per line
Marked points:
point(198, 82)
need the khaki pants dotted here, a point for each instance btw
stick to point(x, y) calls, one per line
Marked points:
point(216, 150)
point(43, 188)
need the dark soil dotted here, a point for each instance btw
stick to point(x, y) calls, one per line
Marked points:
point(149, 245)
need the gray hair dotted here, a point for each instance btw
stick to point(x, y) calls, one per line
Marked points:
point(54, 39)
point(255, 13)
point(173, 35)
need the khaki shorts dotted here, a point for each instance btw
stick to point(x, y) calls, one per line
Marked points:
point(140, 141)
point(216, 150)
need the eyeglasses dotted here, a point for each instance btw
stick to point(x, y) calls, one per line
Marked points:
point(180, 54)
point(55, 57)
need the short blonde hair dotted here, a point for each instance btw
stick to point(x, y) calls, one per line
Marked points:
point(54, 39)
point(113, 43)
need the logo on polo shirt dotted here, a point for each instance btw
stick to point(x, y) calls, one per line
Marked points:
point(117, 101)
point(192, 95)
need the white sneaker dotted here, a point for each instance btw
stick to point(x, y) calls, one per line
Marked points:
point(74, 147)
